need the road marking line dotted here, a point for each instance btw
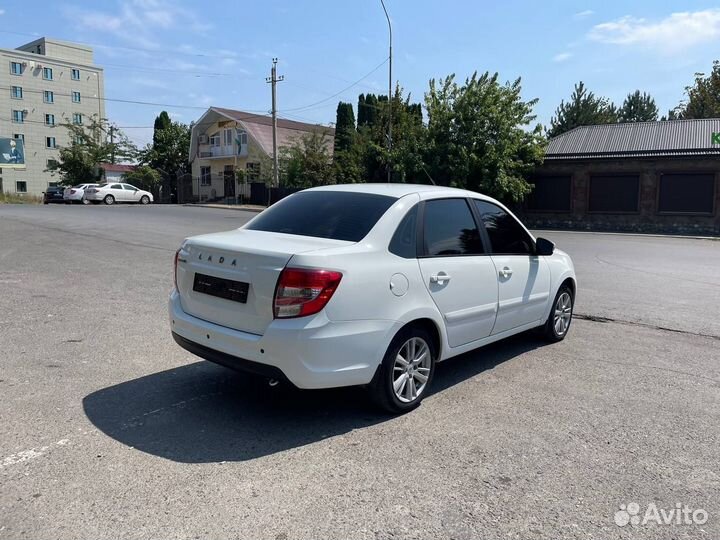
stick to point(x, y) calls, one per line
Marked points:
point(26, 455)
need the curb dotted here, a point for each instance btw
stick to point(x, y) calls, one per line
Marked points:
point(651, 235)
point(238, 207)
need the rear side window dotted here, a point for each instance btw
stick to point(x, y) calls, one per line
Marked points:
point(507, 236)
point(116, 186)
point(404, 241)
point(337, 215)
point(449, 229)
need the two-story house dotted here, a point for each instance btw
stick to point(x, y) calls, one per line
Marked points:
point(226, 140)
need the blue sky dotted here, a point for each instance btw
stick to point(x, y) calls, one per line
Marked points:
point(196, 54)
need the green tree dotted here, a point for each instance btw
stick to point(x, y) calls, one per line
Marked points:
point(89, 147)
point(143, 177)
point(638, 107)
point(162, 121)
point(169, 151)
point(703, 96)
point(477, 136)
point(583, 109)
point(308, 162)
point(344, 127)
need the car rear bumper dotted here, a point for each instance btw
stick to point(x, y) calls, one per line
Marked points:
point(310, 352)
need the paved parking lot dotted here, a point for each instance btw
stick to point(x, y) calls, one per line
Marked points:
point(108, 429)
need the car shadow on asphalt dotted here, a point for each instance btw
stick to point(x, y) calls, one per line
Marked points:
point(203, 413)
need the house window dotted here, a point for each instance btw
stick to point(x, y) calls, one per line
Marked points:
point(76, 97)
point(77, 119)
point(47, 74)
point(215, 139)
point(242, 137)
point(686, 193)
point(227, 137)
point(48, 96)
point(550, 194)
point(16, 92)
point(21, 186)
point(51, 163)
point(205, 176)
point(76, 139)
point(50, 142)
point(16, 68)
point(49, 119)
point(252, 172)
point(19, 136)
point(614, 193)
point(75, 74)
point(18, 116)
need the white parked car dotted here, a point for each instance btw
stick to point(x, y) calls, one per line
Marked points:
point(111, 193)
point(77, 193)
point(367, 284)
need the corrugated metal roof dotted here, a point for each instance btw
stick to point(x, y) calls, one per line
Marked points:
point(638, 139)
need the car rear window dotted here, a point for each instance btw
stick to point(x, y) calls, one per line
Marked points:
point(337, 215)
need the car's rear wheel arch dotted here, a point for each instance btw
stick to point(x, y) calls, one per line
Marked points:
point(432, 330)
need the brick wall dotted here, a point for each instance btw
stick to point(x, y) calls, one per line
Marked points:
point(647, 219)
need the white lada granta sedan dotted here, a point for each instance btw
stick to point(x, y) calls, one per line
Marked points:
point(367, 284)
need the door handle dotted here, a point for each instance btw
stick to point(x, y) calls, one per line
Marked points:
point(506, 272)
point(440, 278)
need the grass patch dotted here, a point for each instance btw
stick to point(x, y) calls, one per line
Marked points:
point(19, 198)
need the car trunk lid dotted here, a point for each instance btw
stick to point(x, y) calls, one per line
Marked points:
point(229, 278)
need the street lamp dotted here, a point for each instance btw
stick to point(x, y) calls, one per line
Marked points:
point(389, 91)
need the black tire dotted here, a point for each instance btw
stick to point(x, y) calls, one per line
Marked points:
point(109, 199)
point(551, 331)
point(144, 199)
point(381, 388)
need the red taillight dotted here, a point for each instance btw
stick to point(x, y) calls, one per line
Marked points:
point(177, 253)
point(301, 292)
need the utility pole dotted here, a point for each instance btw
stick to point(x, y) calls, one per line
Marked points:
point(389, 167)
point(112, 144)
point(273, 79)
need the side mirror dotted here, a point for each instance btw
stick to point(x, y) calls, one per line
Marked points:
point(544, 247)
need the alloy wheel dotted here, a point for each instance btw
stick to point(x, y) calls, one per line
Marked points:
point(411, 369)
point(563, 313)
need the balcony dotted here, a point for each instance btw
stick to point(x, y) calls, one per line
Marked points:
point(205, 151)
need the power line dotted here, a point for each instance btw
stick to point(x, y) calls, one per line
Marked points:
point(123, 47)
point(312, 105)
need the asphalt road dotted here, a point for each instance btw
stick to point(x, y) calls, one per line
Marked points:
point(109, 430)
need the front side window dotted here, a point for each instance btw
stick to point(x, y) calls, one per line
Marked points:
point(47, 74)
point(16, 92)
point(404, 241)
point(338, 215)
point(507, 236)
point(48, 96)
point(128, 187)
point(50, 119)
point(205, 176)
point(116, 186)
point(76, 97)
point(18, 116)
point(75, 74)
point(50, 142)
point(449, 229)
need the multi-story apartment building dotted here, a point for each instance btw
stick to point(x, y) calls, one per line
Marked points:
point(43, 84)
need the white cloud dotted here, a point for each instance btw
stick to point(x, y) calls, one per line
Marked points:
point(561, 57)
point(674, 33)
point(584, 14)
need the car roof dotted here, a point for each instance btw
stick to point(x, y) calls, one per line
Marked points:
point(401, 190)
